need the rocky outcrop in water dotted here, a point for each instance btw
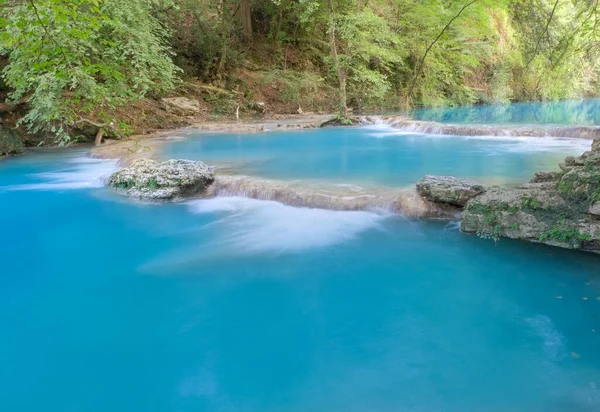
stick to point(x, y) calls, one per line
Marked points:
point(448, 189)
point(151, 180)
point(559, 209)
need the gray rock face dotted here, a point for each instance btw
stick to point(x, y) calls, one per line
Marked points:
point(448, 189)
point(545, 177)
point(594, 209)
point(181, 106)
point(10, 142)
point(173, 179)
point(558, 209)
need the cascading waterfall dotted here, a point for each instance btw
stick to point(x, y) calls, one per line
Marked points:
point(417, 126)
point(342, 198)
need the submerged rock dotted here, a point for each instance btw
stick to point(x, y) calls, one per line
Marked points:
point(152, 180)
point(558, 209)
point(181, 106)
point(448, 189)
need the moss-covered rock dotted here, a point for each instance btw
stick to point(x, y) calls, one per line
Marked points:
point(448, 189)
point(558, 209)
point(169, 180)
point(10, 142)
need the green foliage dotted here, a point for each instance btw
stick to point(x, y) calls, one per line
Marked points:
point(531, 204)
point(299, 88)
point(563, 233)
point(153, 184)
point(82, 58)
point(74, 57)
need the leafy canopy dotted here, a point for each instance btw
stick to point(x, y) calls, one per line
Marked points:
point(76, 57)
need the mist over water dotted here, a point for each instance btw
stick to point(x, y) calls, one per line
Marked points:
point(254, 226)
point(237, 304)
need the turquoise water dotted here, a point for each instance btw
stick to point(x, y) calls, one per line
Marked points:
point(377, 155)
point(565, 112)
point(233, 304)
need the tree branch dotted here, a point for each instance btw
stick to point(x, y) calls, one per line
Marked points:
point(101, 128)
point(421, 63)
point(537, 45)
point(39, 19)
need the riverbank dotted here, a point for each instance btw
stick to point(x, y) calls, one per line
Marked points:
point(148, 146)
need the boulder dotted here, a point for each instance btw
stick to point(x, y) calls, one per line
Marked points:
point(180, 106)
point(545, 177)
point(10, 142)
point(558, 209)
point(448, 189)
point(594, 209)
point(173, 179)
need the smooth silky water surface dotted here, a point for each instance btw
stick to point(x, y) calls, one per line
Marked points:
point(233, 304)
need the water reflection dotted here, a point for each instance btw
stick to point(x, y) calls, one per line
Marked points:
point(580, 112)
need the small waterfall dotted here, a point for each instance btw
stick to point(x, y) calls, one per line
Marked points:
point(406, 124)
point(342, 198)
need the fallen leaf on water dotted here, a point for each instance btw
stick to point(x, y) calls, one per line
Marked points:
point(575, 355)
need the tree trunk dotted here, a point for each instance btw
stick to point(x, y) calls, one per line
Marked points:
point(421, 63)
point(245, 16)
point(341, 72)
point(99, 136)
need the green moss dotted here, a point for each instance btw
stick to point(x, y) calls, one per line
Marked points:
point(491, 224)
point(563, 233)
point(125, 185)
point(565, 187)
point(153, 184)
point(531, 204)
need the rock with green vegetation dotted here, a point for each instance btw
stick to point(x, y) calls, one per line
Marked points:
point(594, 209)
point(10, 142)
point(448, 189)
point(180, 106)
point(558, 209)
point(170, 180)
point(342, 120)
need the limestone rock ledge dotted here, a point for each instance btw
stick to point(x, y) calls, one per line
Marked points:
point(151, 180)
point(448, 189)
point(559, 209)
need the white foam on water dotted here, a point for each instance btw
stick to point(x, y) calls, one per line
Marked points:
point(507, 143)
point(75, 173)
point(255, 226)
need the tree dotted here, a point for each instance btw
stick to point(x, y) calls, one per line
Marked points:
point(245, 16)
point(73, 58)
point(339, 69)
point(419, 67)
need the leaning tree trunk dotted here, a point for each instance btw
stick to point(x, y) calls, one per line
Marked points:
point(245, 16)
point(341, 72)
